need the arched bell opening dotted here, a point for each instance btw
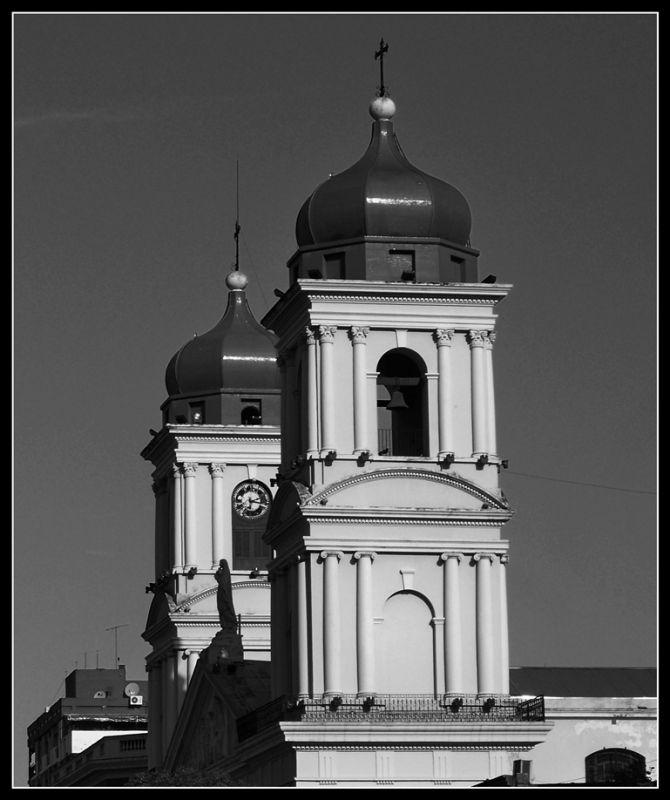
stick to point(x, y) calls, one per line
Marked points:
point(402, 428)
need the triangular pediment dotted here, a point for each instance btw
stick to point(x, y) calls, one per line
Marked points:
point(206, 730)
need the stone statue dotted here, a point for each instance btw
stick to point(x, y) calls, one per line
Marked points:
point(224, 598)
point(226, 646)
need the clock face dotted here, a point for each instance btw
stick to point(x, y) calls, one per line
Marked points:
point(251, 500)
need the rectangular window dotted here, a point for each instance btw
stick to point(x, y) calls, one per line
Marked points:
point(334, 266)
point(402, 264)
point(252, 412)
point(196, 413)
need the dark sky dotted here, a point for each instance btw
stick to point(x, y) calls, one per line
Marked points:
point(126, 132)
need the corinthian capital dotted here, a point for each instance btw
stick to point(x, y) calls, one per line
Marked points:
point(443, 337)
point(327, 333)
point(477, 338)
point(310, 335)
point(190, 468)
point(489, 340)
point(358, 334)
point(217, 470)
point(176, 470)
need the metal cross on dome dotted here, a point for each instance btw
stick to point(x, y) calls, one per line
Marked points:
point(379, 54)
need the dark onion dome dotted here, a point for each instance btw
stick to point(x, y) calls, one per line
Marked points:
point(382, 194)
point(237, 353)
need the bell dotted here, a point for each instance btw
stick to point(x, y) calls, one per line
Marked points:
point(397, 400)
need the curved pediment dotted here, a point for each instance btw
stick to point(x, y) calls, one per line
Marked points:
point(160, 607)
point(290, 496)
point(249, 597)
point(407, 488)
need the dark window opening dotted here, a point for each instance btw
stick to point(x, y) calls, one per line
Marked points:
point(615, 766)
point(252, 412)
point(401, 404)
point(334, 265)
point(402, 264)
point(196, 412)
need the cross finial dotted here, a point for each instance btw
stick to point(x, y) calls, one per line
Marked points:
point(236, 235)
point(379, 54)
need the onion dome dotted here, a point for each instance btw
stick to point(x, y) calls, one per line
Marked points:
point(382, 194)
point(237, 353)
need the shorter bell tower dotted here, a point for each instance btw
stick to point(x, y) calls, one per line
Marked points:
point(214, 459)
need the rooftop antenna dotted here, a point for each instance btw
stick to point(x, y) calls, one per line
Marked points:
point(379, 54)
point(237, 216)
point(115, 628)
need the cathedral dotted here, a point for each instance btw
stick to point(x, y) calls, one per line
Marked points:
point(330, 593)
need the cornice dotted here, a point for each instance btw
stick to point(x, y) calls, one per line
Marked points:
point(163, 446)
point(410, 516)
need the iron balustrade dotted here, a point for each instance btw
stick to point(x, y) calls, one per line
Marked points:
point(393, 707)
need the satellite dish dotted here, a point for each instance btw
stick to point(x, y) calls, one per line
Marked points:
point(131, 689)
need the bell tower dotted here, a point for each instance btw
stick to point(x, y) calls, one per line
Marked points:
point(214, 459)
point(389, 610)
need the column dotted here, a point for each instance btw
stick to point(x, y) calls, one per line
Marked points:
point(490, 397)
point(311, 395)
point(303, 641)
point(190, 560)
point(177, 532)
point(218, 502)
point(364, 634)
point(283, 411)
point(154, 721)
point(326, 340)
point(161, 541)
point(331, 623)
point(181, 679)
point(191, 661)
point(168, 702)
point(443, 339)
point(358, 337)
point(453, 641)
point(478, 392)
point(280, 642)
point(486, 683)
point(504, 631)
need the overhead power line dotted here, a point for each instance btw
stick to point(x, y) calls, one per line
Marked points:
point(581, 483)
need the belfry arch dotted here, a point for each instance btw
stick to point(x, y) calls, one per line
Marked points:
point(402, 405)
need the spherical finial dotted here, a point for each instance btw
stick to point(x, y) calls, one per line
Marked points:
point(236, 280)
point(382, 108)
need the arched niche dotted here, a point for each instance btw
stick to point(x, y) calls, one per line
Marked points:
point(405, 645)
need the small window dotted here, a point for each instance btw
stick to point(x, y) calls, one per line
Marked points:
point(334, 266)
point(196, 413)
point(402, 264)
point(252, 412)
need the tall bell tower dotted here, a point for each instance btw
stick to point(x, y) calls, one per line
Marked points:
point(215, 460)
point(389, 610)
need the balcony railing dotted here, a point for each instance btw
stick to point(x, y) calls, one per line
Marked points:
point(388, 708)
